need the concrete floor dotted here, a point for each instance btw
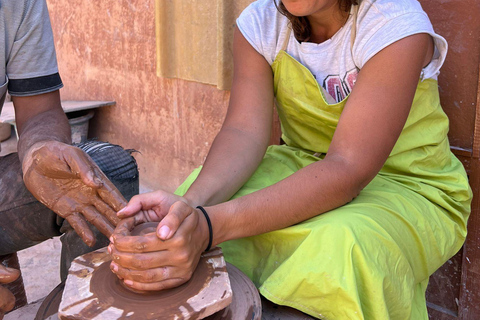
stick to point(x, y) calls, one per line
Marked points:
point(44, 257)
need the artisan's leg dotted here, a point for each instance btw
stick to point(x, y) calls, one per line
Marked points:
point(120, 167)
point(24, 221)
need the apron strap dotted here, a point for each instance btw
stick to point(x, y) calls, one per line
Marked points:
point(287, 38)
point(354, 25)
point(353, 33)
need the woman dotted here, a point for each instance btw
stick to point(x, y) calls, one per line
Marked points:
point(364, 201)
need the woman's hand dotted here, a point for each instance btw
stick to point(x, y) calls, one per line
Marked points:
point(66, 180)
point(153, 206)
point(7, 299)
point(152, 262)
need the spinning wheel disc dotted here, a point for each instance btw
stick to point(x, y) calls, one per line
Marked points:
point(92, 291)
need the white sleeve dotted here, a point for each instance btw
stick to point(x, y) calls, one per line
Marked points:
point(382, 26)
point(33, 51)
point(260, 24)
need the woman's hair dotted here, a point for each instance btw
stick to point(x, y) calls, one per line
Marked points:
point(300, 25)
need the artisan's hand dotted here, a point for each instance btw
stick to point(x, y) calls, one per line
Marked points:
point(149, 263)
point(7, 299)
point(67, 181)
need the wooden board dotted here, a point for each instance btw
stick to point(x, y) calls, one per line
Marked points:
point(8, 112)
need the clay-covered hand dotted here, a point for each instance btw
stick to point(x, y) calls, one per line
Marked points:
point(68, 181)
point(152, 262)
point(7, 299)
point(153, 206)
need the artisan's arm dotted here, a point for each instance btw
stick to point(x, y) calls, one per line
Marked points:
point(61, 176)
point(40, 118)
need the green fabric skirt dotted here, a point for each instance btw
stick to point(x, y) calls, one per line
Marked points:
point(369, 259)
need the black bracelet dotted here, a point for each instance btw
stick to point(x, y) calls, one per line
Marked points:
point(210, 231)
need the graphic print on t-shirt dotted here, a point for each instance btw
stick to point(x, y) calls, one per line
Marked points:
point(339, 88)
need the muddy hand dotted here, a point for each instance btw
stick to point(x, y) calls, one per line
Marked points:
point(152, 262)
point(66, 180)
point(7, 299)
point(153, 205)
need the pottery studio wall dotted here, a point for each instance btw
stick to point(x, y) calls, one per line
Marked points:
point(106, 50)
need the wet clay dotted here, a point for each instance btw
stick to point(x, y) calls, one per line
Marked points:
point(140, 230)
point(246, 303)
point(110, 299)
point(144, 228)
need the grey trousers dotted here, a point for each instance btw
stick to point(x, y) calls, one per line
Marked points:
point(25, 222)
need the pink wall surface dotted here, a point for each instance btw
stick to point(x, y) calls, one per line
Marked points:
point(106, 50)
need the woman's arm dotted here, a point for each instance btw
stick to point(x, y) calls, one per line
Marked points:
point(368, 129)
point(241, 143)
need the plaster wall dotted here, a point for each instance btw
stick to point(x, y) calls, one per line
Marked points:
point(106, 50)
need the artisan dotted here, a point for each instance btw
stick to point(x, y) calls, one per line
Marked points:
point(62, 177)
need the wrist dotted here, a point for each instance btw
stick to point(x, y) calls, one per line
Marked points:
point(203, 230)
point(204, 213)
point(27, 155)
point(193, 199)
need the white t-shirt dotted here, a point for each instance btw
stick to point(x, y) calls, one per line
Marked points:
point(28, 64)
point(334, 62)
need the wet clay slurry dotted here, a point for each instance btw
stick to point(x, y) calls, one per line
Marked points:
point(106, 286)
point(144, 228)
point(107, 299)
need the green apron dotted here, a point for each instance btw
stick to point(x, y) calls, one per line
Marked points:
point(370, 258)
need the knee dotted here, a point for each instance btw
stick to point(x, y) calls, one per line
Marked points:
point(117, 163)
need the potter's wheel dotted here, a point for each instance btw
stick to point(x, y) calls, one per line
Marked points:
point(94, 292)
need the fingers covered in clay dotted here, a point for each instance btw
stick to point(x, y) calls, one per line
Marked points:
point(155, 278)
point(68, 181)
point(138, 203)
point(140, 261)
point(155, 286)
point(8, 275)
point(99, 221)
point(145, 276)
point(86, 169)
point(7, 299)
point(150, 262)
point(80, 225)
point(178, 212)
point(82, 166)
point(156, 204)
point(167, 227)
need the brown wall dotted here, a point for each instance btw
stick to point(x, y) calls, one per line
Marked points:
point(106, 51)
